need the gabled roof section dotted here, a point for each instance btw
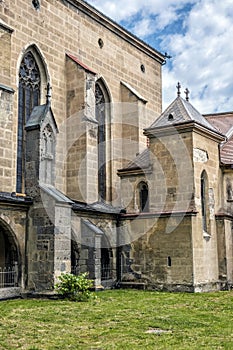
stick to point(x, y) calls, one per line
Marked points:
point(38, 115)
point(179, 112)
point(82, 65)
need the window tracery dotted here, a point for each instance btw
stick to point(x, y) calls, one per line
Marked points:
point(28, 98)
point(101, 118)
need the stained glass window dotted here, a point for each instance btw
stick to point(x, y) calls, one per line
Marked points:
point(101, 118)
point(29, 97)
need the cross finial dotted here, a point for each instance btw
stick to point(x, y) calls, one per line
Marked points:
point(48, 95)
point(178, 89)
point(186, 91)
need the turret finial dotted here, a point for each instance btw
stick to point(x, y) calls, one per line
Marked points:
point(186, 91)
point(178, 89)
point(48, 95)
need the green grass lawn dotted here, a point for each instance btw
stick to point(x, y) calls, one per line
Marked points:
point(120, 319)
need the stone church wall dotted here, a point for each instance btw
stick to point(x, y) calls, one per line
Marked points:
point(56, 29)
point(205, 240)
point(162, 257)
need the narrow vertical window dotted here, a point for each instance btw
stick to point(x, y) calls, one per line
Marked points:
point(204, 189)
point(143, 197)
point(101, 118)
point(28, 98)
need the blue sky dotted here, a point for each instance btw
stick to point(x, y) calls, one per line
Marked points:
point(199, 37)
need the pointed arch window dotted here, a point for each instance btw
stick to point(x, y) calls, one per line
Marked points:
point(28, 98)
point(101, 118)
point(143, 197)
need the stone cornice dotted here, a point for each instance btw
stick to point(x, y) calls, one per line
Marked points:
point(188, 126)
point(164, 214)
point(222, 215)
point(5, 27)
point(103, 20)
point(134, 171)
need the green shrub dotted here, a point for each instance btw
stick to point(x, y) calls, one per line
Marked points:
point(76, 288)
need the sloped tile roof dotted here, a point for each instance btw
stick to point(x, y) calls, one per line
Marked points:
point(226, 152)
point(81, 64)
point(223, 122)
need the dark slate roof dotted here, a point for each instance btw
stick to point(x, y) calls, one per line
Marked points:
point(142, 161)
point(38, 115)
point(97, 207)
point(105, 208)
point(178, 112)
point(15, 198)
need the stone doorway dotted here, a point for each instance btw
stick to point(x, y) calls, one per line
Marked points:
point(9, 259)
point(106, 263)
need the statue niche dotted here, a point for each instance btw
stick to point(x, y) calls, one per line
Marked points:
point(47, 156)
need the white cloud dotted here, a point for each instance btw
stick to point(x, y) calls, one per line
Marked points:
point(202, 57)
point(121, 10)
point(201, 44)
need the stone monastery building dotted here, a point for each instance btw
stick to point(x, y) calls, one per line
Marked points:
point(93, 175)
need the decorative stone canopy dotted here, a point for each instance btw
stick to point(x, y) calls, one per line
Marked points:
point(38, 115)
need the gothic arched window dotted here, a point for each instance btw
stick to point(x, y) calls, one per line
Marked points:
point(143, 197)
point(28, 98)
point(101, 118)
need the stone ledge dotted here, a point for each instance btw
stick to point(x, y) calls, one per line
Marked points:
point(7, 89)
point(133, 285)
point(9, 293)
